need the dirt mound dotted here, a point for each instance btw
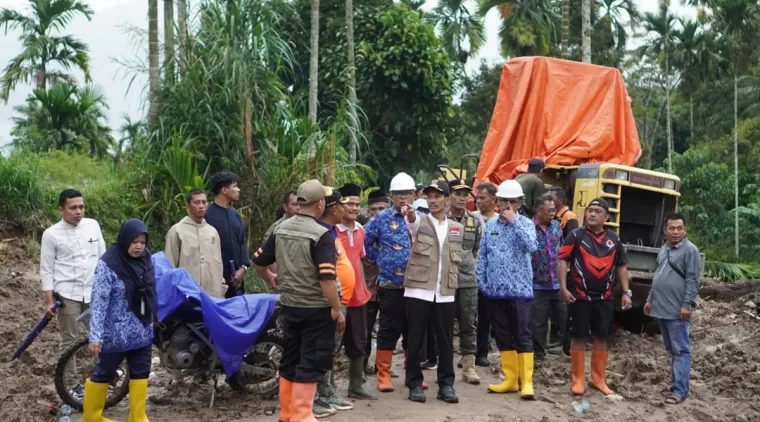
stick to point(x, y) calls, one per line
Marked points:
point(29, 378)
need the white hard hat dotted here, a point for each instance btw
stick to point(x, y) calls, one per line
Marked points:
point(420, 203)
point(510, 189)
point(402, 182)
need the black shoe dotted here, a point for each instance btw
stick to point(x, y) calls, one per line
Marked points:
point(482, 361)
point(417, 394)
point(430, 365)
point(447, 394)
point(460, 365)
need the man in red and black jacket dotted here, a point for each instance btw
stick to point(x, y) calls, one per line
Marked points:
point(596, 259)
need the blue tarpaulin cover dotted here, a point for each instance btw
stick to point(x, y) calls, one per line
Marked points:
point(233, 324)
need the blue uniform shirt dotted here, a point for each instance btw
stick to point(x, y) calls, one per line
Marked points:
point(504, 261)
point(387, 245)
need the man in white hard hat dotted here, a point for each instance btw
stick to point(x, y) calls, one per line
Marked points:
point(387, 244)
point(505, 277)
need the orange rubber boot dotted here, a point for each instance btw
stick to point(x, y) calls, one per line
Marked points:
point(286, 397)
point(598, 371)
point(578, 359)
point(303, 402)
point(383, 360)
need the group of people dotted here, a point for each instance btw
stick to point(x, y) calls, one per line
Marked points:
point(503, 272)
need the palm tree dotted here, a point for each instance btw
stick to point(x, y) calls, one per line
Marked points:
point(153, 71)
point(41, 47)
point(61, 117)
point(131, 133)
point(182, 28)
point(169, 41)
point(660, 32)
point(586, 30)
point(458, 28)
point(314, 62)
point(353, 118)
point(527, 26)
point(737, 21)
point(695, 55)
point(618, 15)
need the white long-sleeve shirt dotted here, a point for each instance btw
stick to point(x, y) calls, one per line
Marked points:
point(68, 257)
point(441, 229)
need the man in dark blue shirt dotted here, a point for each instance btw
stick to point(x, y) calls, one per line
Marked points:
point(229, 225)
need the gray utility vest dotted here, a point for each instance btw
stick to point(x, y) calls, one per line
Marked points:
point(422, 270)
point(297, 274)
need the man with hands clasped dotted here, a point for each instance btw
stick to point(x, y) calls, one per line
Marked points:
point(597, 260)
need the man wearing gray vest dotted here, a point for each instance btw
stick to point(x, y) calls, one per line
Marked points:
point(430, 285)
point(310, 302)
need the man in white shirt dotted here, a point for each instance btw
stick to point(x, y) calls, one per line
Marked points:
point(430, 284)
point(69, 252)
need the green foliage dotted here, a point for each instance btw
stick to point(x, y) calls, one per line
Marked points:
point(43, 45)
point(22, 190)
point(64, 117)
point(726, 271)
point(527, 27)
point(462, 33)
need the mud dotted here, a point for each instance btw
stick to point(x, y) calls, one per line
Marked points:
point(725, 382)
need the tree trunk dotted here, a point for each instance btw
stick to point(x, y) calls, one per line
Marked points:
point(736, 173)
point(42, 76)
point(586, 28)
point(666, 38)
point(169, 41)
point(154, 75)
point(691, 119)
point(314, 62)
point(565, 27)
point(352, 116)
point(182, 17)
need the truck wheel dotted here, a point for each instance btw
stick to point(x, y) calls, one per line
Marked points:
point(652, 327)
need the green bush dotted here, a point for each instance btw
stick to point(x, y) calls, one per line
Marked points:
point(22, 190)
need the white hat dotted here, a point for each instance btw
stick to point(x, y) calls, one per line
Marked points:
point(509, 189)
point(402, 182)
point(420, 203)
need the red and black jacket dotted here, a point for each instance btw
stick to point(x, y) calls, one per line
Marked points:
point(593, 258)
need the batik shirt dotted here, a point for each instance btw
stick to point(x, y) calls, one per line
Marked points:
point(545, 257)
point(504, 262)
point(387, 245)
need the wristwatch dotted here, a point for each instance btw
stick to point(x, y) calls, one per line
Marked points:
point(245, 268)
point(628, 293)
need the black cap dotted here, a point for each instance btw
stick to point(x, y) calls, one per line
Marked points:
point(600, 202)
point(535, 165)
point(333, 196)
point(439, 186)
point(350, 189)
point(458, 184)
point(419, 187)
point(377, 196)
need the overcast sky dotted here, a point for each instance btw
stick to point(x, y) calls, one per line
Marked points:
point(108, 40)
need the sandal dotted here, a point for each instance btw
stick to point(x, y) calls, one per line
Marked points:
point(674, 399)
point(666, 392)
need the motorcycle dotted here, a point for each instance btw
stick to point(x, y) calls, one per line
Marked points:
point(184, 349)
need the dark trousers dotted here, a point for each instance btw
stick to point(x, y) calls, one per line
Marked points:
point(545, 304)
point(511, 322)
point(309, 342)
point(421, 312)
point(138, 362)
point(392, 318)
point(484, 327)
point(373, 309)
point(467, 303)
point(429, 347)
point(355, 337)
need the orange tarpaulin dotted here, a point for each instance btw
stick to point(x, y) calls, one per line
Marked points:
point(564, 112)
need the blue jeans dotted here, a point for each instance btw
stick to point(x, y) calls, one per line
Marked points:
point(675, 335)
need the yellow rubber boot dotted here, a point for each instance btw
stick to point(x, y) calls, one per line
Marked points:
point(525, 366)
point(138, 397)
point(95, 394)
point(509, 367)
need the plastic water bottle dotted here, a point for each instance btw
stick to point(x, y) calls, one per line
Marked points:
point(65, 410)
point(586, 405)
point(65, 419)
point(577, 406)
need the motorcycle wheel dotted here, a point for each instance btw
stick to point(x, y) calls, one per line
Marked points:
point(266, 389)
point(114, 397)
